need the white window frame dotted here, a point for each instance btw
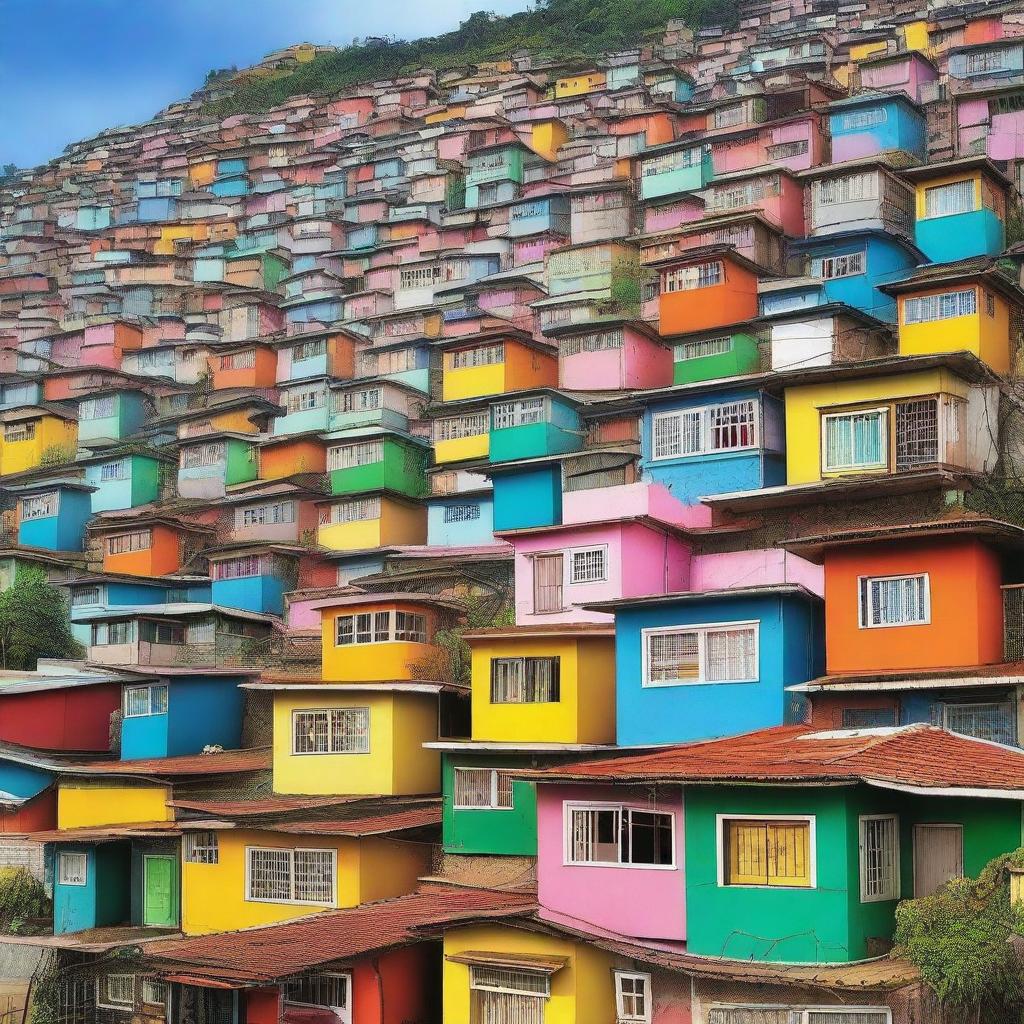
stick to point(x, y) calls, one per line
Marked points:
point(621, 1016)
point(376, 633)
point(117, 470)
point(847, 264)
point(703, 629)
point(864, 612)
point(888, 896)
point(62, 874)
point(623, 811)
point(853, 467)
point(148, 996)
point(329, 712)
point(601, 549)
point(101, 987)
point(704, 416)
point(200, 847)
point(291, 851)
point(40, 506)
point(151, 690)
point(494, 804)
point(812, 849)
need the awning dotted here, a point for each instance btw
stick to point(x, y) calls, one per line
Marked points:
point(509, 961)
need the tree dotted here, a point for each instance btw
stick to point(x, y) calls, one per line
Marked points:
point(8, 171)
point(34, 623)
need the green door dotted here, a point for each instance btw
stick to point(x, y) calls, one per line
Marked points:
point(158, 902)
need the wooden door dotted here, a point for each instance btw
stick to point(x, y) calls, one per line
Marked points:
point(547, 583)
point(938, 856)
point(158, 902)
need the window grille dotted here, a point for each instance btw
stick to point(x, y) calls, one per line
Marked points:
point(20, 431)
point(355, 511)
point(632, 998)
point(328, 990)
point(500, 979)
point(601, 341)
point(525, 680)
point(849, 189)
point(986, 62)
point(305, 400)
point(703, 348)
point(709, 429)
point(154, 992)
point(211, 454)
point(945, 306)
point(264, 515)
point(620, 835)
point(703, 654)
point(114, 470)
point(787, 150)
point(116, 991)
point(738, 197)
point(40, 506)
point(868, 718)
point(357, 401)
point(86, 595)
point(589, 565)
point(309, 350)
point(879, 858)
point(857, 119)
point(201, 848)
point(203, 632)
point(548, 573)
point(461, 513)
point(97, 408)
point(482, 355)
point(730, 116)
point(518, 413)
point(830, 267)
point(106, 633)
point(381, 627)
point(927, 431)
point(672, 161)
point(137, 540)
point(364, 453)
point(290, 876)
point(142, 701)
point(703, 275)
point(775, 853)
point(482, 788)
point(341, 730)
point(239, 360)
point(420, 277)
point(238, 568)
point(893, 600)
point(856, 440)
point(72, 868)
point(452, 428)
point(993, 720)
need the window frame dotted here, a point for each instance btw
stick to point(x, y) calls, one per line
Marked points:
point(151, 689)
point(864, 610)
point(703, 629)
point(865, 896)
point(589, 550)
point(624, 811)
point(291, 851)
point(101, 981)
point(195, 852)
point(705, 414)
point(721, 852)
point(620, 1013)
point(493, 805)
point(61, 879)
point(885, 444)
point(330, 731)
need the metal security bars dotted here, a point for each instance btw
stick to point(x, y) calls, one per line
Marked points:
point(200, 848)
point(879, 858)
point(712, 428)
point(525, 680)
point(703, 654)
point(348, 456)
point(944, 306)
point(482, 788)
point(995, 721)
point(894, 600)
point(290, 876)
point(381, 627)
point(331, 731)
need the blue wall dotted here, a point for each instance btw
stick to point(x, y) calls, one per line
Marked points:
point(790, 650)
point(903, 129)
point(466, 532)
point(961, 235)
point(62, 532)
point(529, 498)
point(23, 781)
point(250, 593)
point(104, 899)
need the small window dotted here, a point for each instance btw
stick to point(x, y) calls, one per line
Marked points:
point(589, 565)
point(114, 470)
point(715, 428)
point(990, 304)
point(461, 513)
point(72, 868)
point(334, 731)
point(327, 990)
point(829, 267)
point(116, 991)
point(482, 789)
point(141, 701)
point(946, 200)
point(290, 876)
point(40, 506)
point(774, 852)
point(619, 835)
point(869, 718)
point(675, 656)
point(879, 858)
point(632, 998)
point(894, 601)
point(201, 848)
point(855, 440)
point(154, 992)
point(525, 680)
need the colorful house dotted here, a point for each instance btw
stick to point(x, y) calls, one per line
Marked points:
point(494, 364)
point(461, 436)
point(733, 351)
point(159, 547)
point(53, 514)
point(111, 416)
point(373, 520)
point(378, 460)
point(207, 468)
point(611, 356)
point(254, 577)
point(877, 122)
point(674, 168)
point(36, 436)
point(125, 481)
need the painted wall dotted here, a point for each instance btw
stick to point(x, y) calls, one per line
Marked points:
point(447, 528)
point(84, 804)
point(901, 127)
point(697, 309)
point(64, 531)
point(77, 718)
point(528, 498)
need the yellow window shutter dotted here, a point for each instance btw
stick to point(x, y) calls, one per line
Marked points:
point(746, 842)
point(789, 861)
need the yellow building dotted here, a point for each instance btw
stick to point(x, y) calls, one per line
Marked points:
point(83, 803)
point(915, 36)
point(543, 684)
point(950, 311)
point(863, 51)
point(547, 137)
point(371, 521)
point(463, 435)
point(234, 878)
point(572, 981)
point(373, 637)
point(579, 85)
point(355, 738)
point(890, 422)
point(237, 421)
point(32, 438)
point(485, 365)
point(445, 114)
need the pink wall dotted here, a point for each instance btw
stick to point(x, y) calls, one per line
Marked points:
point(303, 615)
point(728, 569)
point(630, 500)
point(640, 363)
point(664, 218)
point(647, 903)
point(1006, 136)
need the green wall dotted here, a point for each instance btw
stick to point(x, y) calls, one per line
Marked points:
point(402, 469)
point(145, 480)
point(744, 357)
point(241, 466)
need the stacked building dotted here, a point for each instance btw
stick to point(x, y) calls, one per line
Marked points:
point(545, 539)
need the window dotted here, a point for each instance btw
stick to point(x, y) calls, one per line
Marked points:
point(116, 991)
point(482, 355)
point(154, 992)
point(879, 858)
point(203, 455)
point(40, 506)
point(548, 573)
point(97, 408)
point(334, 731)
point(525, 680)
point(995, 721)
point(355, 511)
point(672, 161)
point(619, 835)
point(309, 350)
point(701, 654)
point(461, 513)
point(518, 414)
point(928, 430)
point(850, 189)
point(114, 470)
point(305, 399)
point(243, 567)
point(482, 788)
point(348, 456)
point(775, 852)
point(894, 601)
point(702, 349)
point(201, 848)
point(380, 628)
point(684, 279)
point(357, 401)
point(713, 428)
point(122, 543)
point(632, 998)
point(289, 876)
point(245, 360)
point(847, 265)
point(329, 990)
point(603, 341)
point(452, 428)
point(86, 595)
point(25, 431)
point(72, 868)
point(868, 718)
point(855, 440)
point(105, 633)
point(589, 565)
point(266, 515)
point(141, 701)
point(944, 306)
point(985, 62)
point(865, 118)
point(945, 200)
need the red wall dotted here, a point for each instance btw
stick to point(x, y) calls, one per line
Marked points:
point(37, 815)
point(407, 978)
point(73, 719)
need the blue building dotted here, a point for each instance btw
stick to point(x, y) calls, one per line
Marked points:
point(15, 393)
point(112, 415)
point(253, 578)
point(54, 514)
point(851, 265)
point(465, 519)
point(705, 439)
point(527, 494)
point(534, 424)
point(694, 666)
point(541, 215)
point(873, 123)
point(125, 481)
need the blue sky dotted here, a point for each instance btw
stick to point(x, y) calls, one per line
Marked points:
point(69, 68)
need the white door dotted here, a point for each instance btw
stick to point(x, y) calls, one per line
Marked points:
point(938, 856)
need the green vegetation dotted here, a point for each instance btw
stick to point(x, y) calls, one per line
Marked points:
point(561, 29)
point(959, 939)
point(22, 898)
point(34, 623)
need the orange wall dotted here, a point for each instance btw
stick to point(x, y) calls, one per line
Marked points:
point(399, 987)
point(966, 626)
point(281, 460)
point(262, 375)
point(163, 556)
point(731, 302)
point(527, 368)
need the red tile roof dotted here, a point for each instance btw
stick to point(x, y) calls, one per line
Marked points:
point(260, 955)
point(917, 755)
point(223, 763)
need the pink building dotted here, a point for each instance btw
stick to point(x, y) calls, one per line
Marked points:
point(898, 72)
point(796, 143)
point(581, 877)
point(979, 129)
point(610, 357)
point(777, 195)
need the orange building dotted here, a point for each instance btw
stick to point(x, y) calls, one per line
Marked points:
point(286, 456)
point(151, 548)
point(706, 288)
point(921, 597)
point(244, 366)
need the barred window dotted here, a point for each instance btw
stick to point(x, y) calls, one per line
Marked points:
point(154, 992)
point(40, 506)
point(986, 62)
point(332, 731)
point(451, 428)
point(829, 267)
point(879, 858)
point(482, 788)
point(946, 200)
point(265, 515)
point(730, 116)
point(97, 408)
point(242, 567)
point(86, 595)
point(857, 119)
point(525, 680)
point(244, 360)
point(305, 399)
point(519, 413)
point(500, 979)
point(122, 543)
point(786, 150)
point(309, 349)
point(420, 277)
point(359, 510)
point(143, 701)
point(328, 990)
point(461, 513)
point(290, 876)
point(380, 627)
point(613, 834)
point(848, 189)
point(684, 279)
point(114, 470)
point(482, 355)
point(211, 454)
point(702, 348)
point(24, 431)
point(358, 401)
point(72, 868)
point(738, 196)
point(363, 453)
point(704, 654)
point(709, 429)
point(894, 600)
point(672, 161)
point(106, 633)
point(944, 306)
point(600, 341)
point(201, 848)
point(116, 991)
point(589, 565)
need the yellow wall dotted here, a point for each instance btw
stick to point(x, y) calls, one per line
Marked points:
point(448, 114)
point(471, 381)
point(395, 763)
point(53, 437)
point(475, 447)
point(865, 50)
point(582, 992)
point(202, 174)
point(587, 665)
point(402, 524)
point(547, 137)
point(361, 663)
point(80, 805)
point(165, 245)
point(915, 36)
point(578, 85)
point(350, 536)
point(946, 179)
point(804, 406)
